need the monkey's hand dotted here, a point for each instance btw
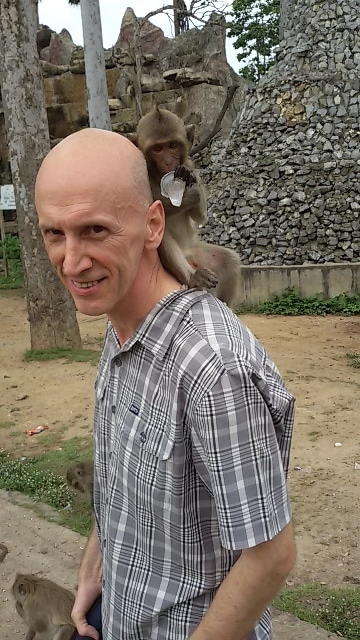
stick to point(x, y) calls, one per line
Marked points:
point(183, 173)
point(203, 279)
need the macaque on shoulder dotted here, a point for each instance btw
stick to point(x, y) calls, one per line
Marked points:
point(166, 142)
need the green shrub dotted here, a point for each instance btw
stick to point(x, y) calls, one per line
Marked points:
point(336, 610)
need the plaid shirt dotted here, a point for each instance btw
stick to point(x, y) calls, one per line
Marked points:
point(192, 435)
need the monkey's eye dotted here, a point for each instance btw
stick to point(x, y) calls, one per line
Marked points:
point(157, 148)
point(173, 144)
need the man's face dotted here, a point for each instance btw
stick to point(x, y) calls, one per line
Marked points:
point(95, 241)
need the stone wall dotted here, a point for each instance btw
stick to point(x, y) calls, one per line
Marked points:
point(285, 187)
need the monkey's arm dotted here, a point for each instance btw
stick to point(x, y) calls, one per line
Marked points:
point(89, 585)
point(174, 261)
point(251, 584)
point(194, 198)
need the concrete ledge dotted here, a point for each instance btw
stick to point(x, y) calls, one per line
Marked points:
point(259, 283)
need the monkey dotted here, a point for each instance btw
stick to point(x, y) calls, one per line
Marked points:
point(44, 606)
point(79, 476)
point(225, 263)
point(165, 142)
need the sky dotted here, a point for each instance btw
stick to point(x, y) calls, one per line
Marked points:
point(58, 14)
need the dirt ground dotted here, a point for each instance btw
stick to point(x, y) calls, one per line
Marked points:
point(311, 355)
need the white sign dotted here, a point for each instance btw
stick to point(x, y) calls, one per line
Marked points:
point(7, 197)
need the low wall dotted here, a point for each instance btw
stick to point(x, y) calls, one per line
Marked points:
point(263, 282)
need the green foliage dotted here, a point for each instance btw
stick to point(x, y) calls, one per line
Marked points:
point(10, 248)
point(42, 485)
point(256, 29)
point(354, 359)
point(336, 610)
point(42, 477)
point(291, 303)
point(71, 355)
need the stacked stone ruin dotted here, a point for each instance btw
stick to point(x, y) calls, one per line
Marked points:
point(285, 187)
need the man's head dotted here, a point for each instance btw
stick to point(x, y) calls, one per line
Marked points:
point(99, 224)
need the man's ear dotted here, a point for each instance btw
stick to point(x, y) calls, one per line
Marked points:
point(155, 225)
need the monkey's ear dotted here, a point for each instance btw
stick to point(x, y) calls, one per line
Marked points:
point(133, 137)
point(190, 133)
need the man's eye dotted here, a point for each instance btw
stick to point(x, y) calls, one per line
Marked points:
point(53, 232)
point(97, 228)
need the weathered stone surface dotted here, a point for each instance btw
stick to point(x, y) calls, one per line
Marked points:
point(151, 39)
point(290, 153)
point(60, 49)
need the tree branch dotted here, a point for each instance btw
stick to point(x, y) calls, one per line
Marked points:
point(216, 128)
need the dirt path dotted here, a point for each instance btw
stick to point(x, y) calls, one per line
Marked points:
point(310, 353)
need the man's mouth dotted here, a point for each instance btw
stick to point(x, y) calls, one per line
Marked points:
point(86, 285)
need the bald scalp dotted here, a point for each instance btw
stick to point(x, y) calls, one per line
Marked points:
point(94, 156)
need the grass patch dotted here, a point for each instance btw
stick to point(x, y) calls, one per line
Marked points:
point(42, 477)
point(336, 610)
point(291, 303)
point(354, 359)
point(14, 280)
point(70, 354)
point(10, 248)
point(7, 424)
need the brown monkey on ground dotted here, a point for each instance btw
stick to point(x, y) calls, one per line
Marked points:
point(44, 606)
point(80, 476)
point(166, 141)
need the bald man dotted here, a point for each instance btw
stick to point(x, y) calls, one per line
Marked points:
point(192, 424)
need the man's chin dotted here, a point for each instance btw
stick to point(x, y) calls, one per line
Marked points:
point(88, 308)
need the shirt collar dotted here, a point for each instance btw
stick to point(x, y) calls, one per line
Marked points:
point(156, 331)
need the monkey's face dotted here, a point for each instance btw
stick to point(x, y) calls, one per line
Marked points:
point(166, 156)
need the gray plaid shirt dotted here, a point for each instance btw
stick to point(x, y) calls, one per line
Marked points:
point(192, 435)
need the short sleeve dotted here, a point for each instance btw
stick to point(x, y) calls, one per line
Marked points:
point(237, 455)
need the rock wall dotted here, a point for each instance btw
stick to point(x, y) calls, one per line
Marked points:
point(188, 75)
point(285, 187)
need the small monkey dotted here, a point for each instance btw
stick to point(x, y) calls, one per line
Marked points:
point(166, 141)
point(80, 476)
point(44, 606)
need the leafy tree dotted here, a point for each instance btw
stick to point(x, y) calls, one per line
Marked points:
point(256, 28)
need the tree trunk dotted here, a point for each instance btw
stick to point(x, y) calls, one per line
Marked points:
point(177, 29)
point(285, 14)
point(98, 105)
point(51, 311)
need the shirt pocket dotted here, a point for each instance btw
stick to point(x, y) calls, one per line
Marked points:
point(150, 436)
point(144, 458)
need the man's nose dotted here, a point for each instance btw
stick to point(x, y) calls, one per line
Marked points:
point(76, 259)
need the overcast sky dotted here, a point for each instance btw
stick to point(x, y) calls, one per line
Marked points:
point(58, 14)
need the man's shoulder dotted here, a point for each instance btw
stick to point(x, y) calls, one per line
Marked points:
point(210, 327)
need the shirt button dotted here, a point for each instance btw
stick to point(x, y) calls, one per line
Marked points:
point(113, 408)
point(118, 361)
